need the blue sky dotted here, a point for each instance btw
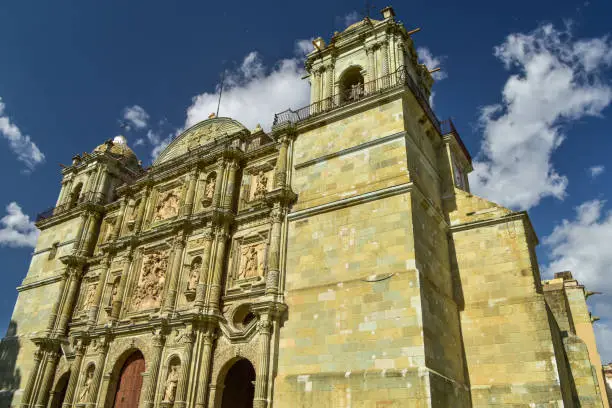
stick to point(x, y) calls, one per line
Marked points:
point(528, 84)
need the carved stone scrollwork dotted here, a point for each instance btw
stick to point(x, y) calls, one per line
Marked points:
point(262, 185)
point(148, 292)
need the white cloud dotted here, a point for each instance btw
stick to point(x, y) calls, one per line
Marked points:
point(25, 149)
point(559, 79)
point(16, 229)
point(253, 93)
point(603, 333)
point(351, 18)
point(596, 170)
point(432, 62)
point(136, 116)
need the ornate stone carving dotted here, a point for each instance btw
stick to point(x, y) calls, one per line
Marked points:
point(262, 185)
point(209, 191)
point(251, 262)
point(148, 292)
point(171, 384)
point(167, 207)
point(87, 386)
point(89, 297)
point(194, 273)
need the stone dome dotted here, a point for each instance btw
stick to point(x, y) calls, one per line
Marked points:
point(118, 147)
point(360, 23)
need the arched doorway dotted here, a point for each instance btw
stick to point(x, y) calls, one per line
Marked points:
point(129, 384)
point(59, 393)
point(239, 388)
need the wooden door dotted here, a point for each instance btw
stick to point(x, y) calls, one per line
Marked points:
point(130, 382)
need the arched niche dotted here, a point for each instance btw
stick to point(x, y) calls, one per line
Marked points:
point(351, 84)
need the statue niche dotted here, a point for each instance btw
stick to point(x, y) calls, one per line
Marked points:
point(194, 276)
point(168, 207)
point(148, 292)
point(171, 383)
point(209, 189)
point(87, 385)
point(251, 262)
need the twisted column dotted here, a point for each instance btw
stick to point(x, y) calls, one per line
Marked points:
point(119, 220)
point(179, 245)
point(158, 346)
point(231, 184)
point(181, 389)
point(215, 287)
point(102, 349)
point(272, 278)
point(45, 385)
point(219, 184)
point(204, 377)
point(385, 57)
point(116, 307)
point(74, 375)
point(93, 312)
point(27, 391)
point(201, 287)
point(261, 380)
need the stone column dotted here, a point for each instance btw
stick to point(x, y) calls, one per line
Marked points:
point(93, 312)
point(329, 84)
point(149, 392)
point(102, 184)
point(204, 377)
point(75, 280)
point(75, 369)
point(280, 177)
point(141, 210)
point(82, 226)
point(27, 391)
point(188, 207)
point(47, 379)
point(175, 272)
point(215, 287)
point(62, 193)
point(231, 184)
point(261, 379)
point(56, 305)
point(91, 175)
point(181, 389)
point(219, 184)
point(370, 51)
point(91, 233)
point(201, 287)
point(384, 47)
point(119, 220)
point(274, 257)
point(116, 307)
point(101, 349)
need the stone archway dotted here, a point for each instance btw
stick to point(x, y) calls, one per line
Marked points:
point(239, 385)
point(59, 392)
point(129, 382)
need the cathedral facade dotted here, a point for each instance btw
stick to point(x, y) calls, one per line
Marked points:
point(338, 260)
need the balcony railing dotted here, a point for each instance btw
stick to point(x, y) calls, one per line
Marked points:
point(447, 126)
point(87, 198)
point(358, 92)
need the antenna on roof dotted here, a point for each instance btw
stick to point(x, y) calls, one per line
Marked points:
point(368, 7)
point(221, 90)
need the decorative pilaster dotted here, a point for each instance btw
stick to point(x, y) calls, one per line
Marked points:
point(158, 346)
point(93, 312)
point(208, 338)
point(231, 184)
point(188, 207)
point(116, 307)
point(384, 47)
point(280, 176)
point(261, 379)
point(47, 379)
point(27, 391)
point(371, 69)
point(215, 287)
point(329, 82)
point(119, 220)
point(272, 279)
point(141, 210)
point(102, 183)
point(175, 271)
point(219, 184)
point(181, 389)
point(74, 374)
point(56, 305)
point(201, 287)
point(75, 280)
point(92, 233)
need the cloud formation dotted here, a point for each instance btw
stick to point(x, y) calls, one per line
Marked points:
point(16, 229)
point(253, 93)
point(136, 117)
point(25, 149)
point(558, 80)
point(431, 62)
point(596, 170)
point(351, 18)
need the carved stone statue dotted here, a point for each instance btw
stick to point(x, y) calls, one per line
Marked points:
point(86, 387)
point(168, 207)
point(249, 263)
point(210, 189)
point(114, 289)
point(110, 228)
point(194, 274)
point(151, 282)
point(89, 297)
point(262, 185)
point(171, 384)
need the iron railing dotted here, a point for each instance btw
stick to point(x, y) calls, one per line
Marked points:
point(86, 198)
point(358, 92)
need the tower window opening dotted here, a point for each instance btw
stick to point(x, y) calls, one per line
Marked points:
point(351, 85)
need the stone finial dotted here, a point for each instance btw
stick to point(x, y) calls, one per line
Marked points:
point(319, 43)
point(388, 12)
point(257, 128)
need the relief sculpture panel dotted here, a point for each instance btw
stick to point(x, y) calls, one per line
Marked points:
point(168, 206)
point(251, 262)
point(148, 291)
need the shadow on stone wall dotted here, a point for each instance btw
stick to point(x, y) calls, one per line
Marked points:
point(10, 377)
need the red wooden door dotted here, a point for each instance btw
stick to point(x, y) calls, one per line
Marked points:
point(130, 382)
